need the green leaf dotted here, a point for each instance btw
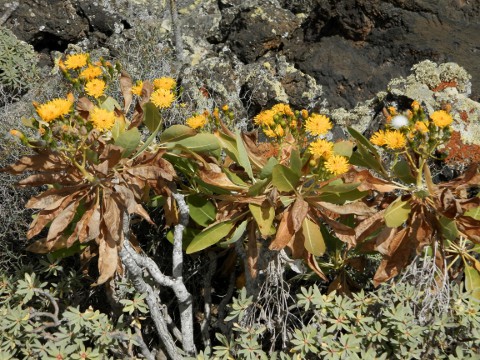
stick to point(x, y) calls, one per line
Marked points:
point(397, 213)
point(472, 281)
point(176, 132)
point(257, 188)
point(344, 148)
point(188, 235)
point(150, 111)
point(202, 211)
point(229, 145)
point(295, 161)
point(151, 117)
point(362, 140)
point(129, 141)
point(237, 234)
point(314, 242)
point(210, 236)
point(237, 180)
point(341, 198)
point(243, 159)
point(284, 178)
point(363, 157)
point(199, 143)
point(268, 168)
point(473, 213)
point(118, 128)
point(338, 186)
point(110, 104)
point(76, 248)
point(448, 228)
point(264, 216)
point(402, 171)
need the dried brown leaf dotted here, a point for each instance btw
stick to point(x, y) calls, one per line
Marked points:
point(285, 231)
point(126, 88)
point(107, 257)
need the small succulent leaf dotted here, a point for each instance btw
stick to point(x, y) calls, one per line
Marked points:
point(129, 141)
point(243, 158)
point(472, 281)
point(202, 211)
point(397, 213)
point(314, 242)
point(210, 236)
point(176, 132)
point(284, 178)
point(264, 216)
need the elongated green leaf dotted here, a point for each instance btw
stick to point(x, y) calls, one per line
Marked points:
point(151, 116)
point(110, 104)
point(129, 141)
point(362, 140)
point(243, 159)
point(362, 155)
point(397, 213)
point(448, 227)
point(474, 213)
point(344, 148)
point(202, 211)
point(210, 236)
point(338, 186)
point(118, 127)
point(403, 172)
point(268, 168)
point(295, 161)
point(314, 242)
point(176, 132)
point(229, 145)
point(472, 281)
point(198, 143)
point(76, 248)
point(237, 234)
point(263, 216)
point(188, 235)
point(257, 188)
point(149, 110)
point(284, 178)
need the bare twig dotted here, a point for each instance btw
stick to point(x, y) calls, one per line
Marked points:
point(143, 347)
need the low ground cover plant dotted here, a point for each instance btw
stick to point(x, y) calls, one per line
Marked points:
point(284, 193)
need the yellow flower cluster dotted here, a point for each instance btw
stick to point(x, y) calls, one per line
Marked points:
point(162, 98)
point(337, 164)
point(197, 122)
point(265, 118)
point(318, 124)
point(54, 109)
point(91, 72)
point(321, 148)
point(276, 120)
point(102, 119)
point(137, 88)
point(392, 139)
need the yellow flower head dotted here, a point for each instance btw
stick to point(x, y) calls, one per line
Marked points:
point(162, 98)
point(395, 139)
point(95, 87)
point(16, 133)
point(378, 138)
point(265, 118)
point(54, 109)
point(102, 119)
point(283, 109)
point(421, 126)
point(279, 131)
point(441, 118)
point(318, 124)
point(225, 107)
point(337, 164)
point(91, 72)
point(166, 83)
point(270, 133)
point(321, 148)
point(76, 61)
point(137, 88)
point(197, 122)
point(415, 105)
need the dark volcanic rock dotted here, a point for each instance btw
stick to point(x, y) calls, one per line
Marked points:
point(253, 31)
point(353, 47)
point(48, 24)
